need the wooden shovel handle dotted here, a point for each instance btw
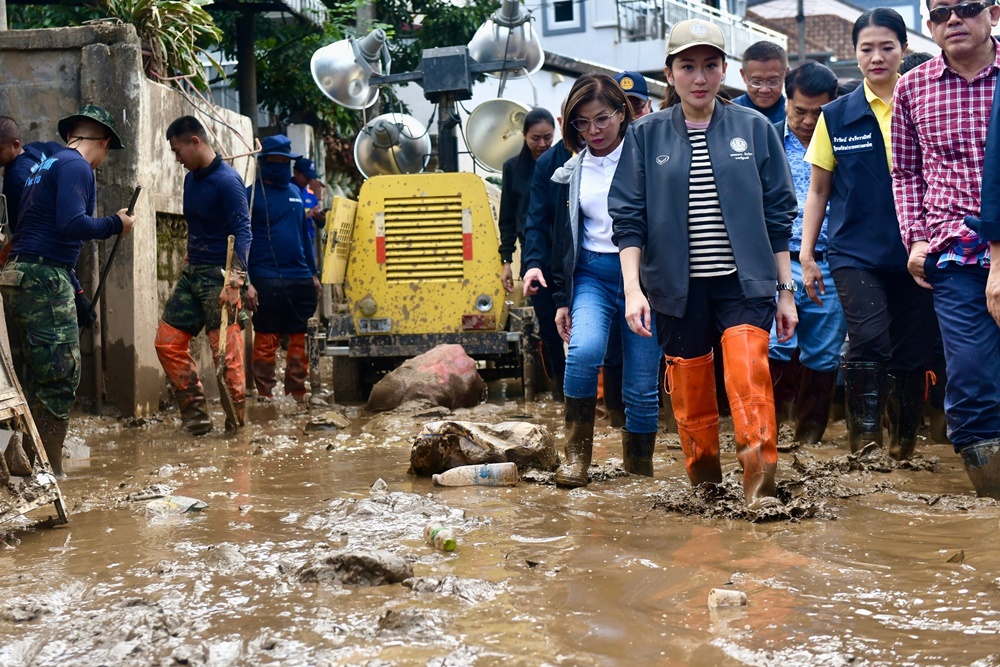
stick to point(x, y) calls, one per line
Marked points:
point(230, 243)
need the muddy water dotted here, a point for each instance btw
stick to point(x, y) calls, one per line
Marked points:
point(899, 567)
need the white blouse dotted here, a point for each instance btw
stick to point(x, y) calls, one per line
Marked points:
point(595, 182)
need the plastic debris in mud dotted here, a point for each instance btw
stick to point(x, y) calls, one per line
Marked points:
point(440, 537)
point(725, 597)
point(174, 505)
point(487, 474)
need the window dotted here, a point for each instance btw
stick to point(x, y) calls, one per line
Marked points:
point(562, 16)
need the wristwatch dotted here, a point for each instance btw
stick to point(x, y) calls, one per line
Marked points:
point(788, 287)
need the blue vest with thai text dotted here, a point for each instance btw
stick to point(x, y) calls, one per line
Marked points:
point(863, 229)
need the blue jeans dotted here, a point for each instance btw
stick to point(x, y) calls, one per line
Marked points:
point(971, 349)
point(821, 329)
point(599, 305)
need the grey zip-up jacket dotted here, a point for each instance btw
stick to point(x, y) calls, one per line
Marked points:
point(648, 200)
point(567, 232)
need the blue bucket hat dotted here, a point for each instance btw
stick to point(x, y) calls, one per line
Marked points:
point(278, 144)
point(306, 167)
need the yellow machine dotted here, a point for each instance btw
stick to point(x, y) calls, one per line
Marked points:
point(414, 264)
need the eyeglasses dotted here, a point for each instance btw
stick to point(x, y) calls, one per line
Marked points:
point(72, 139)
point(767, 83)
point(966, 10)
point(636, 104)
point(600, 122)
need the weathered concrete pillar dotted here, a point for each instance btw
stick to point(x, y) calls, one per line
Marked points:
point(111, 75)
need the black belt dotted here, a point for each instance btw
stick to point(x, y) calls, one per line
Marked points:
point(38, 259)
point(817, 255)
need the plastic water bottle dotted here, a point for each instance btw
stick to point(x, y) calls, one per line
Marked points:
point(487, 474)
point(439, 537)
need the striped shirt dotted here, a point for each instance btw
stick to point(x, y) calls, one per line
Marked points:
point(709, 249)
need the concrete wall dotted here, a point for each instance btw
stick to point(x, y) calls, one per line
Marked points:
point(48, 74)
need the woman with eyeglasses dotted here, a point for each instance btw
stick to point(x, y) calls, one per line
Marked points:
point(890, 319)
point(703, 204)
point(587, 282)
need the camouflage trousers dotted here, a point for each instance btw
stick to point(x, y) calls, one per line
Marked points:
point(40, 300)
point(194, 303)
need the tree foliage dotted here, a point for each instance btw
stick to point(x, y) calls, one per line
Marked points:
point(26, 17)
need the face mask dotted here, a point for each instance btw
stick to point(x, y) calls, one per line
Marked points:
point(276, 173)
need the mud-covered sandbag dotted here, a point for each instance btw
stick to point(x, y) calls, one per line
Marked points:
point(444, 376)
point(356, 568)
point(443, 445)
point(16, 458)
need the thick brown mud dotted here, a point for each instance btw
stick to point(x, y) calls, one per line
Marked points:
point(871, 563)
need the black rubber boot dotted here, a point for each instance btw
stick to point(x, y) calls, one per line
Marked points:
point(579, 442)
point(812, 405)
point(637, 452)
point(982, 464)
point(52, 431)
point(786, 384)
point(905, 408)
point(556, 383)
point(613, 400)
point(194, 411)
point(865, 387)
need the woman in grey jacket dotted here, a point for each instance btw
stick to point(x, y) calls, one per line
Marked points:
point(703, 202)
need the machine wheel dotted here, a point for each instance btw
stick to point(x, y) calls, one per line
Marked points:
point(347, 382)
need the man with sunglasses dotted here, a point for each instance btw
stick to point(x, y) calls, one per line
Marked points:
point(939, 126)
point(765, 65)
point(56, 217)
point(636, 91)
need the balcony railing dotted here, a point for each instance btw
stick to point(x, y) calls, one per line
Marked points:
point(642, 20)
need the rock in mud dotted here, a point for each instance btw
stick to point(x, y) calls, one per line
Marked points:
point(447, 444)
point(330, 420)
point(356, 568)
point(225, 557)
point(469, 590)
point(411, 623)
point(445, 375)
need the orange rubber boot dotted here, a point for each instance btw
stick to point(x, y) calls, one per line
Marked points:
point(265, 350)
point(691, 385)
point(751, 398)
point(296, 367)
point(173, 349)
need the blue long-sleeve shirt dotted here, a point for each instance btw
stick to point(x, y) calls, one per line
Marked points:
point(57, 207)
point(16, 175)
point(215, 206)
point(281, 247)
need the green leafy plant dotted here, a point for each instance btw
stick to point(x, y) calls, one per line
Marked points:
point(174, 34)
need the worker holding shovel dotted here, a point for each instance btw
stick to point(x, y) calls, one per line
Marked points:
point(206, 295)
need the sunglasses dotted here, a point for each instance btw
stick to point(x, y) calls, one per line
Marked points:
point(965, 10)
point(600, 122)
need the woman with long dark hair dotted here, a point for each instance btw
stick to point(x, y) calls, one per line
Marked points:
point(538, 129)
point(587, 280)
point(889, 317)
point(703, 204)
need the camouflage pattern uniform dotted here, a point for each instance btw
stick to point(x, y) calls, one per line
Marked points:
point(40, 299)
point(194, 303)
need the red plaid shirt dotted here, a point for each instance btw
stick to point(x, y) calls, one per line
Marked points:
point(939, 123)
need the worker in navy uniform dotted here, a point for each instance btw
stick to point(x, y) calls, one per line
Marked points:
point(55, 218)
point(285, 285)
point(215, 206)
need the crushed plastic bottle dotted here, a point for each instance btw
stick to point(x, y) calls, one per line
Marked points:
point(487, 474)
point(440, 537)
